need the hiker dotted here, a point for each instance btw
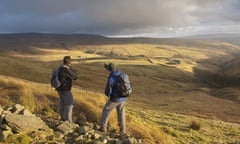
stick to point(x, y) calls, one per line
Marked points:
point(66, 74)
point(114, 101)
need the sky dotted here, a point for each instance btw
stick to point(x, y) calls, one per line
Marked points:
point(121, 18)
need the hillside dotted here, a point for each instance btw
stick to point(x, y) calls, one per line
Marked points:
point(170, 77)
point(152, 126)
point(233, 38)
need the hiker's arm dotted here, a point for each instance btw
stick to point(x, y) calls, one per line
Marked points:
point(72, 74)
point(108, 89)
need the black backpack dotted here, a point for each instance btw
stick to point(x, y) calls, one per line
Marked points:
point(55, 82)
point(124, 86)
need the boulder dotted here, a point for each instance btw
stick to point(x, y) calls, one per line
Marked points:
point(17, 108)
point(4, 127)
point(131, 140)
point(5, 133)
point(26, 112)
point(118, 141)
point(1, 109)
point(67, 127)
point(98, 142)
point(83, 129)
point(58, 135)
point(22, 123)
point(79, 138)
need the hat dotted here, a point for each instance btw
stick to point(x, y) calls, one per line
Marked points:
point(110, 67)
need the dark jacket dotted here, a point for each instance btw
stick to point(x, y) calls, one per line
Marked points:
point(66, 75)
point(111, 89)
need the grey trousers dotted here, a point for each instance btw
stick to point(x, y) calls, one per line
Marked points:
point(66, 105)
point(109, 106)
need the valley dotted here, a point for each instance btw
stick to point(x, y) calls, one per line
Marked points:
point(172, 79)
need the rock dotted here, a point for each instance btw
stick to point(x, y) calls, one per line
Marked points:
point(112, 141)
point(139, 141)
point(96, 136)
point(50, 137)
point(26, 113)
point(5, 112)
point(17, 108)
point(1, 109)
point(20, 120)
point(5, 133)
point(104, 140)
point(10, 109)
point(118, 142)
point(83, 129)
point(95, 126)
point(4, 127)
point(82, 120)
point(131, 140)
point(67, 127)
point(90, 125)
point(21, 123)
point(89, 136)
point(58, 135)
point(79, 138)
point(98, 142)
point(2, 116)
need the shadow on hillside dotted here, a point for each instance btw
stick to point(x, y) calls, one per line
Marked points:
point(224, 81)
point(223, 76)
point(216, 79)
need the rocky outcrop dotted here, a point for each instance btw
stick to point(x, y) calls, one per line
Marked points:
point(18, 123)
point(22, 123)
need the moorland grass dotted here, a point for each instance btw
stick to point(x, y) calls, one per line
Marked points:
point(158, 86)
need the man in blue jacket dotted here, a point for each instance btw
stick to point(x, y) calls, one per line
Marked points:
point(114, 101)
point(66, 75)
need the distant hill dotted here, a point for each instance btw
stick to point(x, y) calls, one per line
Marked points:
point(23, 42)
point(230, 38)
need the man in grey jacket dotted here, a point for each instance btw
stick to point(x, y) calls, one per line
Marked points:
point(66, 74)
point(114, 101)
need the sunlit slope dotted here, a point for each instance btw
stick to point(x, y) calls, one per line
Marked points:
point(154, 126)
point(156, 87)
point(178, 127)
point(43, 100)
point(184, 58)
point(166, 68)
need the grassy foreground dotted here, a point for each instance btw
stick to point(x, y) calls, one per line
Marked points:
point(154, 126)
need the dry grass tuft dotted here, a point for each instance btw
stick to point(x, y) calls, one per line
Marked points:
point(195, 125)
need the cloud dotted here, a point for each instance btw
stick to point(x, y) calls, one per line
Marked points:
point(117, 17)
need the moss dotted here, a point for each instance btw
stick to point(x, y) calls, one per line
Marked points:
point(19, 139)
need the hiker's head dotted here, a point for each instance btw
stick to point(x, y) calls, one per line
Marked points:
point(67, 60)
point(110, 67)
